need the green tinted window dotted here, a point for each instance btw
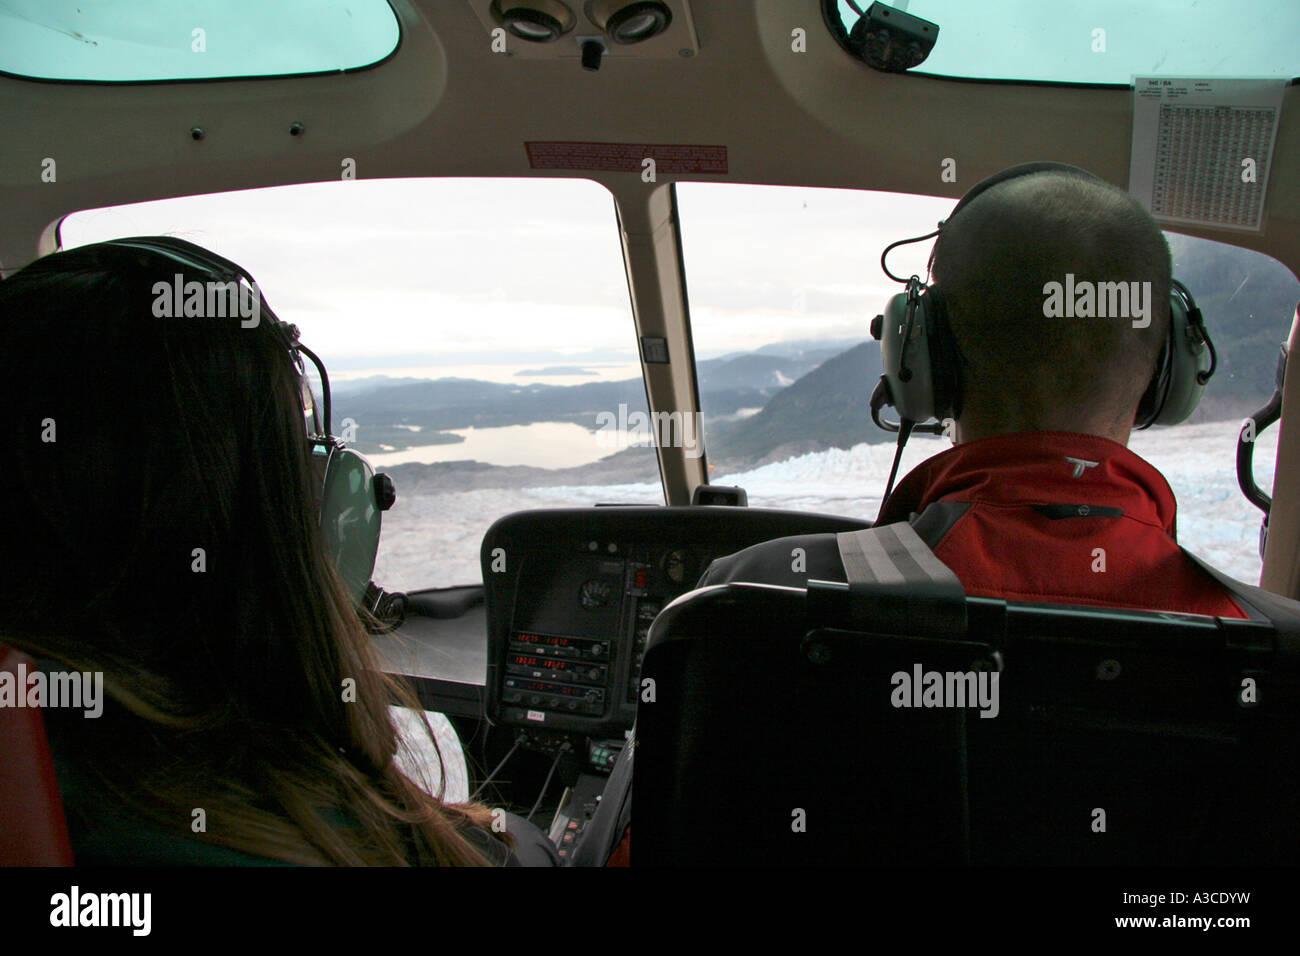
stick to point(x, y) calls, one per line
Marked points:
point(123, 41)
point(1106, 41)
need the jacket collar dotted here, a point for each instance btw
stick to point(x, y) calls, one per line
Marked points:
point(1041, 467)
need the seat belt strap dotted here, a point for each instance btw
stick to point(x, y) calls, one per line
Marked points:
point(895, 585)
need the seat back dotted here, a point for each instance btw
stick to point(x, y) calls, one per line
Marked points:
point(778, 734)
point(1132, 738)
point(33, 830)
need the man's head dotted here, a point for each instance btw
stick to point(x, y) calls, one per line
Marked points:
point(1024, 370)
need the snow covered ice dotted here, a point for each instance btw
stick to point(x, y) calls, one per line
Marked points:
point(433, 540)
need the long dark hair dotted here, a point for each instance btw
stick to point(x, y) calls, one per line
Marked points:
point(167, 537)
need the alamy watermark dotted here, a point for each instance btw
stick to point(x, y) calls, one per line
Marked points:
point(1101, 300)
point(922, 688)
point(71, 689)
point(661, 429)
point(207, 300)
point(77, 908)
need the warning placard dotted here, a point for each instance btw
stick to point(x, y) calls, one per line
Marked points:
point(670, 158)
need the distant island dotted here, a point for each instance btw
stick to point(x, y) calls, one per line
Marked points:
point(426, 438)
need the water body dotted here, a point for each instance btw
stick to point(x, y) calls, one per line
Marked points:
point(536, 373)
point(541, 444)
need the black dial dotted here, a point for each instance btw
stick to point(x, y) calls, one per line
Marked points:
point(595, 594)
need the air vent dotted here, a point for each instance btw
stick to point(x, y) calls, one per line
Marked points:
point(560, 29)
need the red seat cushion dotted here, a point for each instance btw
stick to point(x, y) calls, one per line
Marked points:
point(33, 830)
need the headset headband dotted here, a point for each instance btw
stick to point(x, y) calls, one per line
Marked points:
point(1015, 172)
point(203, 260)
point(983, 186)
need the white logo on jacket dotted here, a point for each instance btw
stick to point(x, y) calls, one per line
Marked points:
point(1080, 464)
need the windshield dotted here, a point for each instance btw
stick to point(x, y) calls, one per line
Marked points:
point(787, 364)
point(477, 333)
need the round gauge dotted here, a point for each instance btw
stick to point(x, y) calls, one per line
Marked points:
point(595, 594)
point(677, 565)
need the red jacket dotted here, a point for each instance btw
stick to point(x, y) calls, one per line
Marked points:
point(1060, 518)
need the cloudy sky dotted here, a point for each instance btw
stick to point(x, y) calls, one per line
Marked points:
point(455, 276)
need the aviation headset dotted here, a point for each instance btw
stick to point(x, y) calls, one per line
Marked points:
point(922, 363)
point(349, 495)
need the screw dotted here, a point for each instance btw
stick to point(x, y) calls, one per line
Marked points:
point(1108, 669)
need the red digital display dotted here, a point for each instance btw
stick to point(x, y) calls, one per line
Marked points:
point(546, 639)
point(542, 662)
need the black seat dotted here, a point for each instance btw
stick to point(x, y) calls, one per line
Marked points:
point(1121, 737)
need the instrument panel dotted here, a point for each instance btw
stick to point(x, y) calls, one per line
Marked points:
point(571, 595)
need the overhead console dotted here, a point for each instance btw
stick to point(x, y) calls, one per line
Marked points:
point(571, 594)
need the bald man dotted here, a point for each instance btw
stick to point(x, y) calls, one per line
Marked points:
point(1040, 499)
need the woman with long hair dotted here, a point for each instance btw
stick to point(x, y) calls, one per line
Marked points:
point(161, 529)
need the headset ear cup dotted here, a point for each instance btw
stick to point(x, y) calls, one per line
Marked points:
point(350, 517)
point(945, 357)
point(1186, 364)
point(923, 374)
point(905, 359)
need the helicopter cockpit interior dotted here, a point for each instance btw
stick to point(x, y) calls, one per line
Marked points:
point(610, 290)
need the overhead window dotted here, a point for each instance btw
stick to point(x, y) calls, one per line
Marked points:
point(1105, 41)
point(149, 40)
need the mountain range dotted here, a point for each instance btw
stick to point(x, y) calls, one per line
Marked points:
point(789, 398)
